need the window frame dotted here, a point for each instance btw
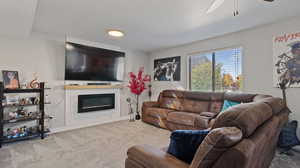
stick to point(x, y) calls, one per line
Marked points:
point(189, 76)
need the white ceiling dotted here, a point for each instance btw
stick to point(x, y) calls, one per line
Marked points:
point(149, 24)
point(16, 17)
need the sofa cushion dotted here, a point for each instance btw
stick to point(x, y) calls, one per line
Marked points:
point(162, 123)
point(246, 117)
point(200, 96)
point(173, 93)
point(260, 97)
point(189, 119)
point(150, 104)
point(158, 112)
point(171, 103)
point(214, 145)
point(276, 104)
point(184, 143)
point(195, 106)
point(175, 99)
point(174, 126)
point(239, 97)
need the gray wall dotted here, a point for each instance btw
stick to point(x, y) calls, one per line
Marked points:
point(257, 59)
point(47, 59)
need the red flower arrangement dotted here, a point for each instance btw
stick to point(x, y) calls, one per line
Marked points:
point(137, 85)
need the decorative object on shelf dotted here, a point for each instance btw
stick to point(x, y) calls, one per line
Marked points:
point(23, 101)
point(11, 79)
point(286, 49)
point(11, 100)
point(32, 100)
point(137, 85)
point(34, 84)
point(24, 86)
point(20, 113)
point(36, 100)
point(131, 113)
point(167, 69)
point(16, 101)
point(12, 115)
point(20, 132)
point(17, 132)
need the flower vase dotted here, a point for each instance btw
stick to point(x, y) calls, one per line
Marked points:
point(137, 116)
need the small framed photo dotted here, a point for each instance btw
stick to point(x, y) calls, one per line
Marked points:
point(11, 79)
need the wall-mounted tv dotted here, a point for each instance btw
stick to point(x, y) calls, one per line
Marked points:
point(93, 64)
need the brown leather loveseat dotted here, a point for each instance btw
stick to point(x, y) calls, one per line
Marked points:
point(244, 136)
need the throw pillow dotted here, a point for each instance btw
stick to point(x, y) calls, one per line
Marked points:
point(227, 104)
point(184, 143)
point(288, 136)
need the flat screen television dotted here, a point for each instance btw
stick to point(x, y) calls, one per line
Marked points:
point(93, 64)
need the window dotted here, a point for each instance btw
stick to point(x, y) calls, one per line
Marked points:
point(216, 71)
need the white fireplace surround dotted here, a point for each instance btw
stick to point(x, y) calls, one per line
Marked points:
point(74, 120)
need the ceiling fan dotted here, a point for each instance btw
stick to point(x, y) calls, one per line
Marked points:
point(217, 3)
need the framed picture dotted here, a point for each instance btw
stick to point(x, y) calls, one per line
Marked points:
point(167, 69)
point(286, 54)
point(11, 79)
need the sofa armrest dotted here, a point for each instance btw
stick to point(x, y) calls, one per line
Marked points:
point(150, 104)
point(150, 157)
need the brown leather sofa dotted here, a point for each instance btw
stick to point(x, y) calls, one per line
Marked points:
point(189, 110)
point(244, 136)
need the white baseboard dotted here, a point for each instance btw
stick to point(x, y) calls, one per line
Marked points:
point(68, 128)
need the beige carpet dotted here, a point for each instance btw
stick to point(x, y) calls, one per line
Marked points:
point(102, 146)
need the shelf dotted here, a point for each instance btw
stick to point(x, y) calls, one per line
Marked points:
point(41, 116)
point(23, 90)
point(25, 105)
point(24, 119)
point(36, 135)
point(76, 87)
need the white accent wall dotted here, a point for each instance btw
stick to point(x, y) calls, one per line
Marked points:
point(257, 59)
point(47, 59)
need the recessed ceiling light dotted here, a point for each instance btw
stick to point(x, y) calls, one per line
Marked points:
point(215, 5)
point(115, 33)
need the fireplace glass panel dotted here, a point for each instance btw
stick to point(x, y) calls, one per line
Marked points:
point(95, 102)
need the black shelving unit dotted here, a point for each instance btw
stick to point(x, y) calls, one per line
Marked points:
point(41, 116)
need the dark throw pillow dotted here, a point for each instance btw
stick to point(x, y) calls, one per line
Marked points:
point(184, 143)
point(288, 135)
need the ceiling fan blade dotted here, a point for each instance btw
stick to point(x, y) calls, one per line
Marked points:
point(215, 5)
point(269, 0)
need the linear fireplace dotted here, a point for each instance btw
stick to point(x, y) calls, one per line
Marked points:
point(95, 102)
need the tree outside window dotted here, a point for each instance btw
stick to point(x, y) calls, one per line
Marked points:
point(216, 71)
